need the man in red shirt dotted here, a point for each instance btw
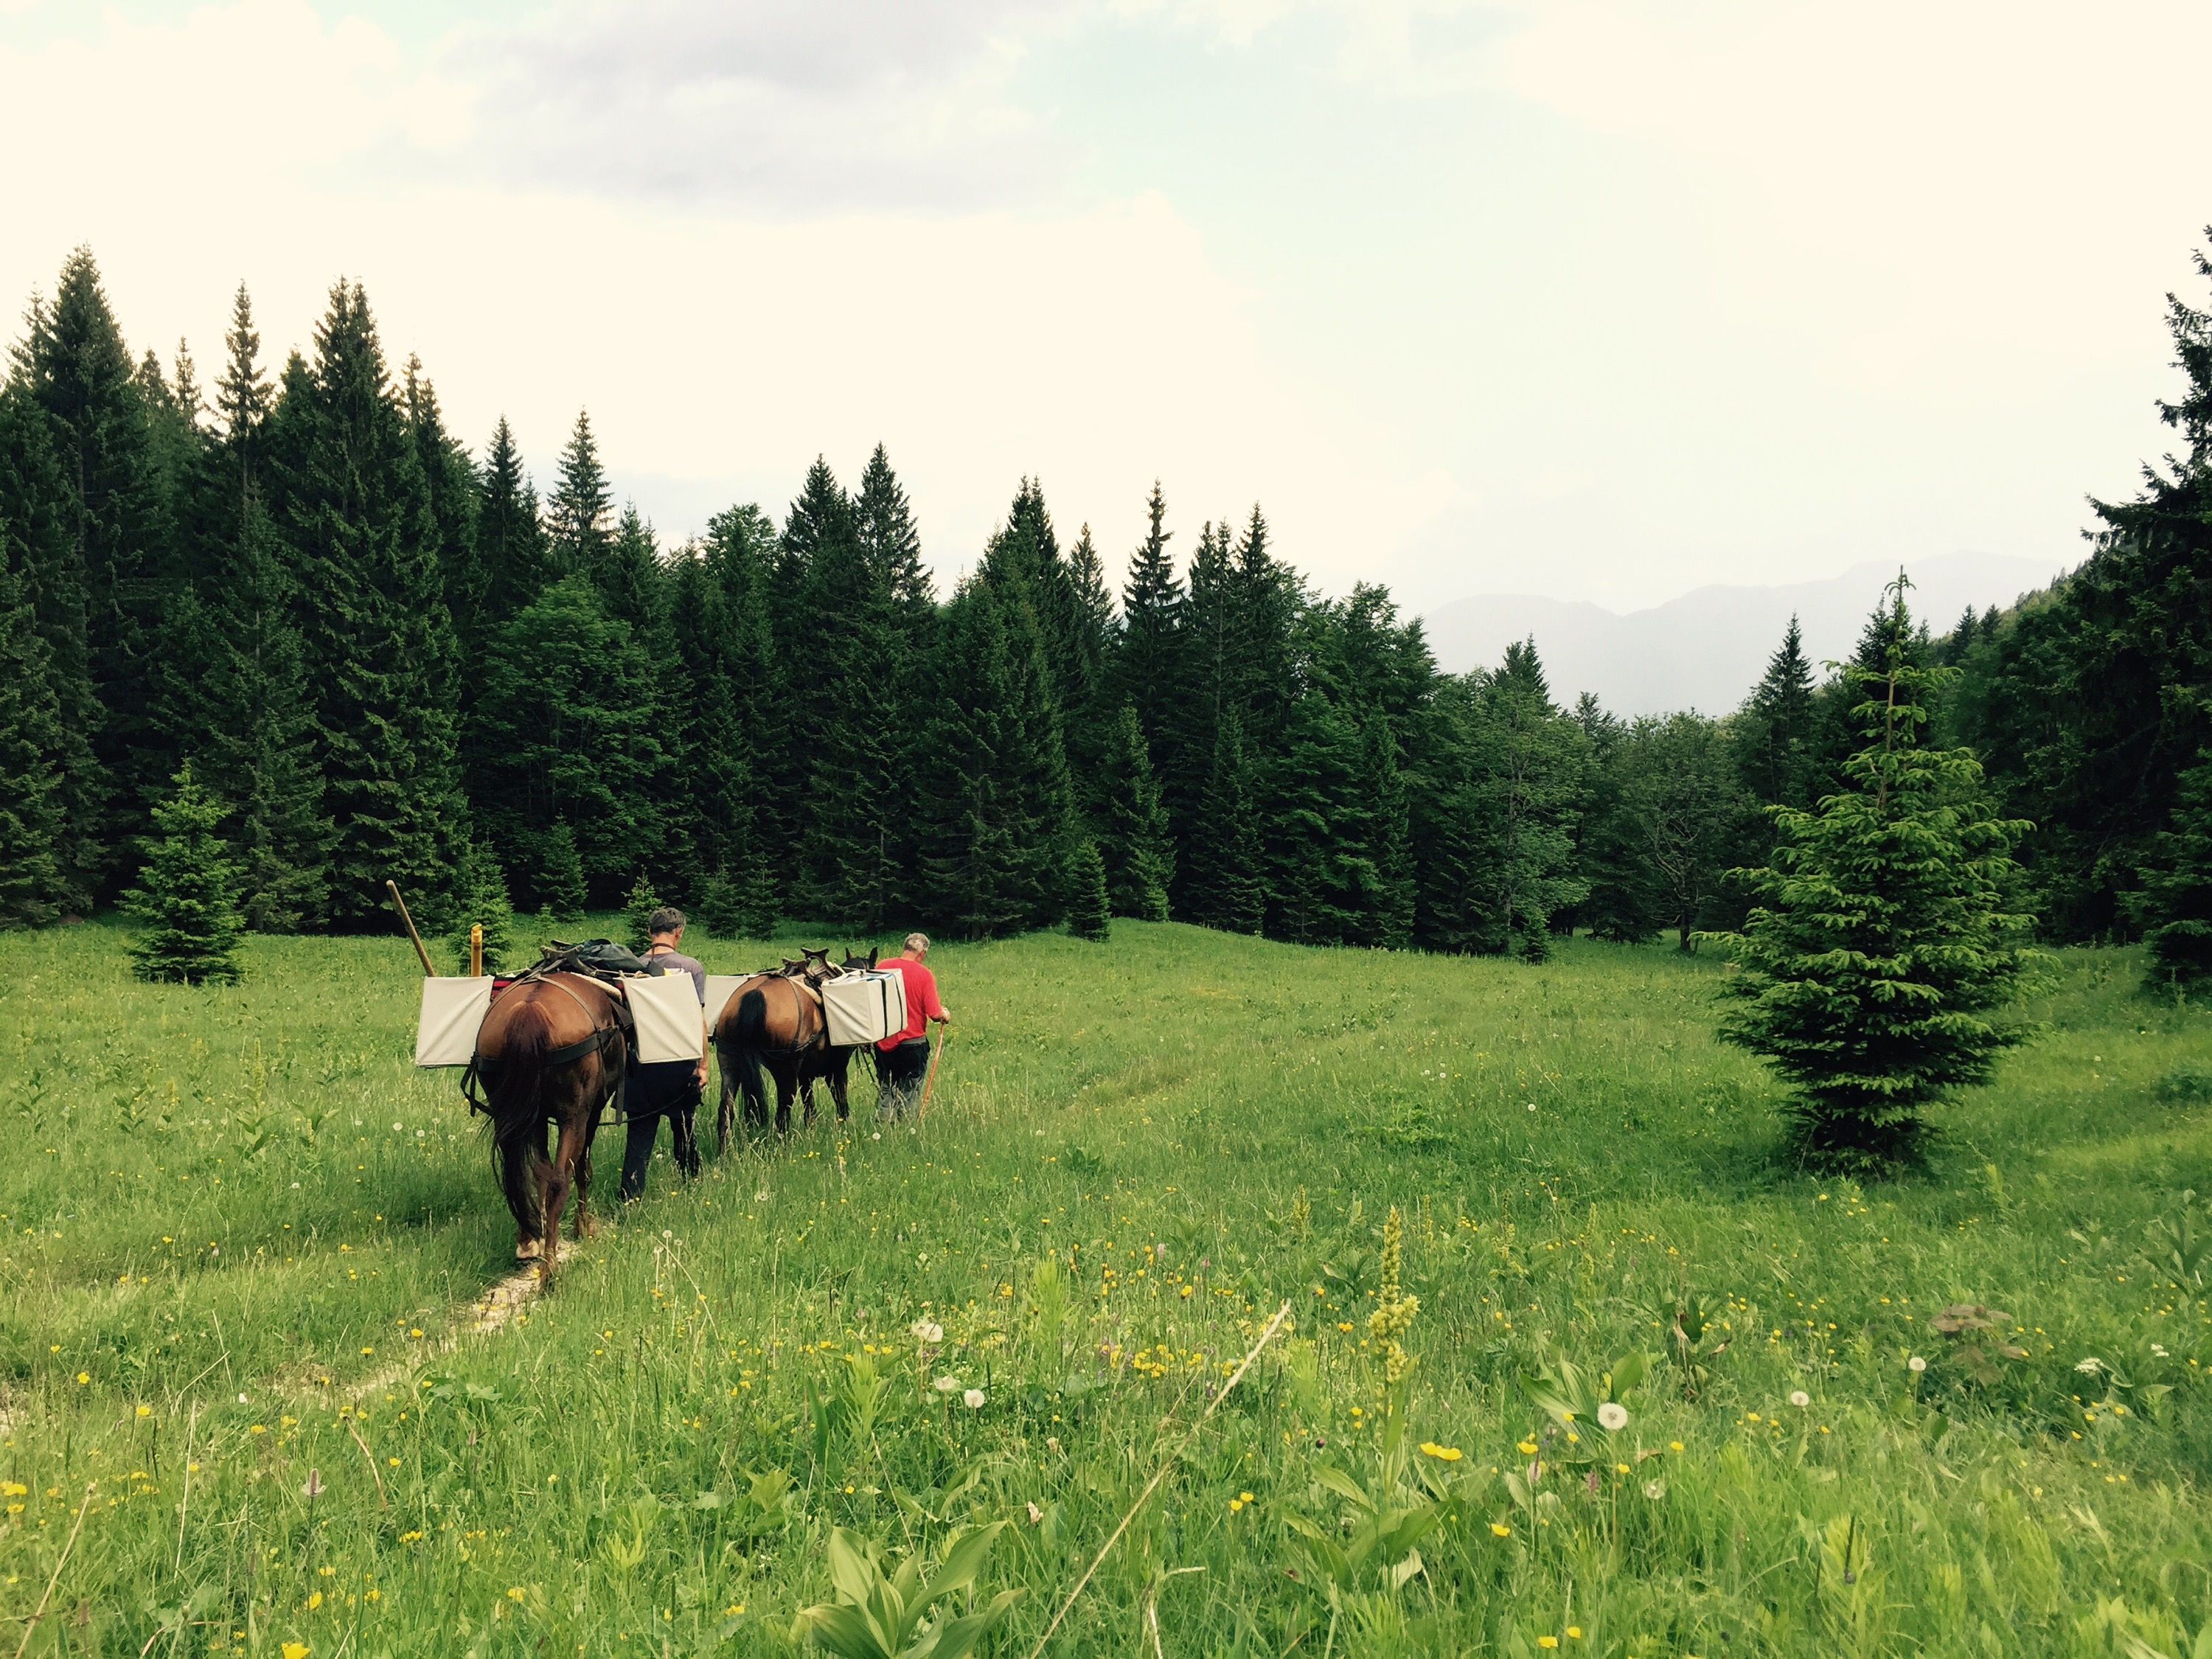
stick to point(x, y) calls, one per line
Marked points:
point(902, 1058)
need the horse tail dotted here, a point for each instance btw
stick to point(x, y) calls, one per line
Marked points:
point(516, 1107)
point(748, 1040)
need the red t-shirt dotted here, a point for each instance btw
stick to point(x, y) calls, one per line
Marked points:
point(921, 1003)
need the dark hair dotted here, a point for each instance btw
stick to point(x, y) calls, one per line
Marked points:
point(666, 920)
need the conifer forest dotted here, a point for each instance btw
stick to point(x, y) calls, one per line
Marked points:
point(378, 649)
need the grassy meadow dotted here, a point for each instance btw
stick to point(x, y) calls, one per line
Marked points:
point(245, 1242)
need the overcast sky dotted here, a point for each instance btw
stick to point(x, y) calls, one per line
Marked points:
point(1597, 301)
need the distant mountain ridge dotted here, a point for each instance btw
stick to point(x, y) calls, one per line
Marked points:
point(1707, 649)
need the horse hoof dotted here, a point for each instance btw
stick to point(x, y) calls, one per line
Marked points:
point(528, 1250)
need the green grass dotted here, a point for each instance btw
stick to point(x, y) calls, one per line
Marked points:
point(251, 1192)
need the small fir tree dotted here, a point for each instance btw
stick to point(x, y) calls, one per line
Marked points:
point(482, 895)
point(1874, 975)
point(561, 875)
point(187, 894)
point(719, 909)
point(637, 909)
point(1088, 915)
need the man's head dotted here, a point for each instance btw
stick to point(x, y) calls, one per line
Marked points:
point(917, 945)
point(665, 923)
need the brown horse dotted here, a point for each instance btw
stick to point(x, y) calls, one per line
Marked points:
point(551, 1051)
point(776, 1020)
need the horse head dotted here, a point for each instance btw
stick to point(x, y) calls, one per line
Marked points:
point(853, 963)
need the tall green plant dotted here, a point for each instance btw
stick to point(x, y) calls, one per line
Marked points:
point(878, 1615)
point(1876, 974)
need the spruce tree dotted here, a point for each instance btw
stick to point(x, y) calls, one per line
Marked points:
point(511, 543)
point(576, 513)
point(2174, 907)
point(449, 480)
point(1773, 733)
point(32, 890)
point(1089, 916)
point(1231, 892)
point(1878, 973)
point(638, 906)
point(354, 508)
point(39, 545)
point(75, 366)
point(1389, 850)
point(1148, 671)
point(262, 749)
point(965, 841)
point(1133, 827)
point(565, 745)
point(187, 894)
point(560, 874)
point(482, 902)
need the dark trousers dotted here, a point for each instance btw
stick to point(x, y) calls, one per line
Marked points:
point(900, 1073)
point(665, 1090)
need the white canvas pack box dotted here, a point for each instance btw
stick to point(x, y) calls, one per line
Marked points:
point(670, 1024)
point(863, 1007)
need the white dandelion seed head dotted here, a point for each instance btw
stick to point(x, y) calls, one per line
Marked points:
point(1800, 1399)
point(973, 1400)
point(2158, 1350)
point(1532, 1105)
point(1916, 1364)
point(945, 1384)
point(1612, 1417)
point(1655, 1490)
point(929, 1330)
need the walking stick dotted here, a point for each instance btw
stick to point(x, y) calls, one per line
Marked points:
point(429, 972)
point(944, 1031)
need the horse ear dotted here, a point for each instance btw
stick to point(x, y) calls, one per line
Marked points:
point(874, 952)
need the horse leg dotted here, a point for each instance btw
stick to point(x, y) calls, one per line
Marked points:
point(725, 1118)
point(786, 1085)
point(838, 1067)
point(559, 1177)
point(586, 1227)
point(529, 1229)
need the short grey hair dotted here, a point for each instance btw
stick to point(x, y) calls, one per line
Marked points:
point(917, 942)
point(666, 920)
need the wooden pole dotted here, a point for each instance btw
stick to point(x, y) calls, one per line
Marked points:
point(429, 972)
point(930, 1082)
point(475, 950)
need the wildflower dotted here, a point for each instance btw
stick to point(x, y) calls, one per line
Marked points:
point(1548, 1641)
point(1655, 1490)
point(1574, 1633)
point(1393, 1312)
point(1442, 1453)
point(927, 1331)
point(145, 1411)
point(945, 1384)
point(1235, 1505)
point(1247, 1497)
point(1036, 1514)
point(296, 1650)
point(258, 1429)
point(314, 1601)
point(1673, 1445)
point(514, 1592)
point(973, 1400)
point(1499, 1529)
point(1612, 1417)
point(1621, 1468)
point(1526, 1448)
point(1800, 1399)
point(2088, 1368)
point(1917, 1364)
point(83, 1377)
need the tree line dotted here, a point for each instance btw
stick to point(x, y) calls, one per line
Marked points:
point(380, 655)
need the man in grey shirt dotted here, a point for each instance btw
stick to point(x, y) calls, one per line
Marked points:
point(669, 1088)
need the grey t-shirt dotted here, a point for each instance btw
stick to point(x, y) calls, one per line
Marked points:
point(672, 962)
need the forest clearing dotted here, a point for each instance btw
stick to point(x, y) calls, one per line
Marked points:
point(249, 1397)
